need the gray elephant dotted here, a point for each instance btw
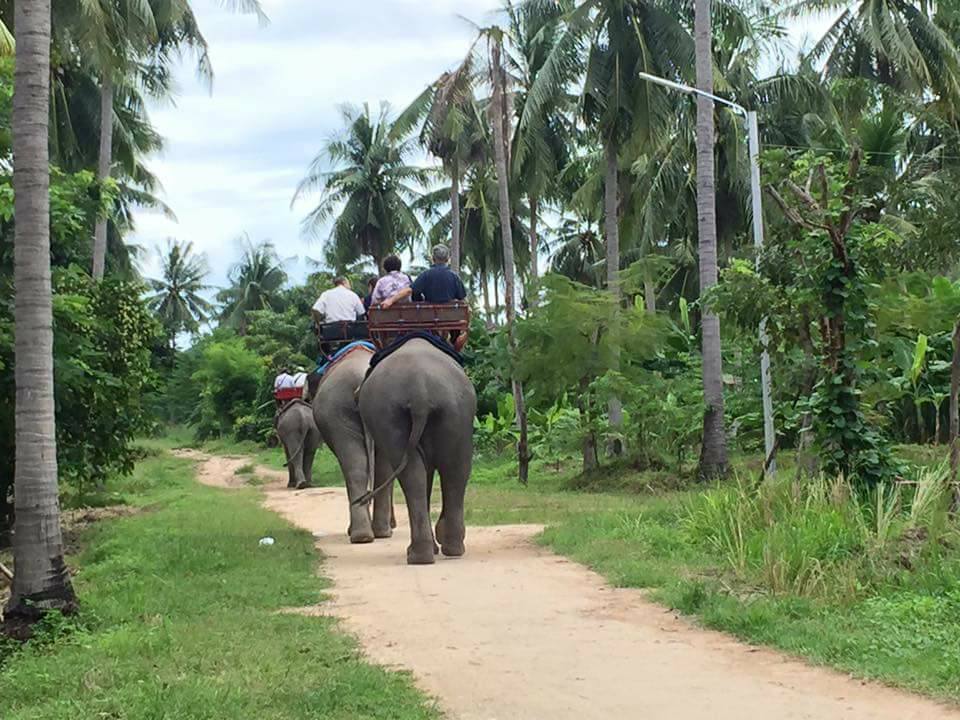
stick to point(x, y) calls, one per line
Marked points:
point(418, 407)
point(336, 415)
point(300, 437)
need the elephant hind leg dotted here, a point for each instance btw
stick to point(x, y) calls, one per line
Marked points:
point(413, 482)
point(451, 529)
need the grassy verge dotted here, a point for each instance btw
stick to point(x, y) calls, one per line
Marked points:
point(180, 621)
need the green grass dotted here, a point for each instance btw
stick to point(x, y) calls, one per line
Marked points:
point(180, 620)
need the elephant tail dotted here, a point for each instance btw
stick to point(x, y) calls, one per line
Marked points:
point(417, 425)
point(293, 456)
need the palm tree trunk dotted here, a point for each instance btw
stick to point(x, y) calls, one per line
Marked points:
point(41, 581)
point(104, 161)
point(506, 233)
point(455, 216)
point(611, 212)
point(955, 415)
point(713, 453)
point(534, 251)
point(650, 296)
point(485, 287)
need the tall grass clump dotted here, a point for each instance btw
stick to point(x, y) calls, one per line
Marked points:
point(820, 537)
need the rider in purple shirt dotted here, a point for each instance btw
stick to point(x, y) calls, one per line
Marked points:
point(391, 283)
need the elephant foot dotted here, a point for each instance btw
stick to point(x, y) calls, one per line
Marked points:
point(382, 533)
point(304, 486)
point(453, 549)
point(420, 556)
point(291, 486)
point(450, 546)
point(361, 538)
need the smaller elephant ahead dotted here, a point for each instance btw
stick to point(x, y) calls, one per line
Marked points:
point(300, 437)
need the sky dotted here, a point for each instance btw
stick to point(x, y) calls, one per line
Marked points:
point(235, 152)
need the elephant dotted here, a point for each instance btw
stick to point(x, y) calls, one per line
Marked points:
point(300, 437)
point(338, 419)
point(417, 407)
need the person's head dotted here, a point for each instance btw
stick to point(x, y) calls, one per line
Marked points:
point(441, 254)
point(371, 283)
point(285, 370)
point(392, 264)
point(341, 281)
point(300, 369)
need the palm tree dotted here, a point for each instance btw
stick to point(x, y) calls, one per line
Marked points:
point(177, 298)
point(499, 119)
point(452, 131)
point(255, 284)
point(713, 453)
point(893, 42)
point(541, 146)
point(136, 41)
point(41, 581)
point(369, 194)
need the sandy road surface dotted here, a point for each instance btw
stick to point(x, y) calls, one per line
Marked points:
point(514, 632)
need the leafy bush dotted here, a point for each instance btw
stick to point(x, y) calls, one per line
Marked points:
point(229, 379)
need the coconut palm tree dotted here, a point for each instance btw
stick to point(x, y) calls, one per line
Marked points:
point(500, 120)
point(41, 581)
point(136, 41)
point(541, 147)
point(177, 298)
point(713, 453)
point(893, 42)
point(452, 130)
point(370, 193)
point(255, 284)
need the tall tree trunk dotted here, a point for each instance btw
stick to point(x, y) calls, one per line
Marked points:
point(104, 161)
point(955, 415)
point(41, 581)
point(713, 453)
point(612, 228)
point(485, 286)
point(496, 300)
point(455, 216)
point(589, 441)
point(506, 233)
point(807, 461)
point(650, 296)
point(534, 252)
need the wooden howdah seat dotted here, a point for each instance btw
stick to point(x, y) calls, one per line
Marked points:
point(336, 335)
point(285, 395)
point(450, 321)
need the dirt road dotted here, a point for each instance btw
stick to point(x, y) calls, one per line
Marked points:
point(513, 632)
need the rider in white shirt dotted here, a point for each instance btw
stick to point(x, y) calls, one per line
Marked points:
point(338, 304)
point(284, 380)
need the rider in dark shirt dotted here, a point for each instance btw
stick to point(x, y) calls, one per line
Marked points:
point(439, 284)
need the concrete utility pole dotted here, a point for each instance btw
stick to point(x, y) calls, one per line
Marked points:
point(756, 198)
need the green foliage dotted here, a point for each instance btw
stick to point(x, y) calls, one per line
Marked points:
point(229, 378)
point(103, 336)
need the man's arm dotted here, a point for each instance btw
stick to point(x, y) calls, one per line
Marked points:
point(397, 297)
point(358, 307)
point(461, 293)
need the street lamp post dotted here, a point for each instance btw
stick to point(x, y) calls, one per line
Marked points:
point(753, 142)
